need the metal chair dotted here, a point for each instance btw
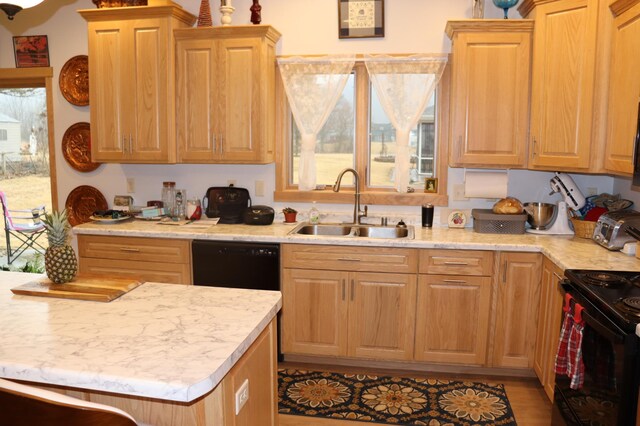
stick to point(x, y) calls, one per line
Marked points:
point(23, 405)
point(25, 225)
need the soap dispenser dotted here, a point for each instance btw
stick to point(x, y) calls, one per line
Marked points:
point(314, 214)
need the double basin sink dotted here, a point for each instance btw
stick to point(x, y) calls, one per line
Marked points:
point(353, 231)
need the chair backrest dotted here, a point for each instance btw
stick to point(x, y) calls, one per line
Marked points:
point(23, 405)
point(26, 221)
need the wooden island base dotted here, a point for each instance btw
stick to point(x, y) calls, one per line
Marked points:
point(258, 365)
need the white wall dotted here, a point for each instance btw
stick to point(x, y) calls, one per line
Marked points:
point(308, 27)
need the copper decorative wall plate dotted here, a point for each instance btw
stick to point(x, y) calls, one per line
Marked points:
point(76, 147)
point(74, 80)
point(82, 202)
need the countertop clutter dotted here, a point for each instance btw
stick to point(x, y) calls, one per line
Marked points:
point(567, 252)
point(138, 344)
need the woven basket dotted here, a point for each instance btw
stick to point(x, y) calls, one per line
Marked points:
point(583, 228)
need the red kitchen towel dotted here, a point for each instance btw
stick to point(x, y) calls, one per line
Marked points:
point(575, 365)
point(567, 326)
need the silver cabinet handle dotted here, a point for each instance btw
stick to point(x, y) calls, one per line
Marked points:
point(130, 144)
point(344, 289)
point(456, 263)
point(213, 143)
point(454, 281)
point(129, 249)
point(221, 144)
point(535, 147)
point(349, 259)
point(124, 144)
point(504, 272)
point(353, 288)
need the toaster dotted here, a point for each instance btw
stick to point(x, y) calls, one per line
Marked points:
point(610, 231)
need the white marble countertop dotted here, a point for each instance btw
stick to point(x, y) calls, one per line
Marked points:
point(166, 341)
point(565, 251)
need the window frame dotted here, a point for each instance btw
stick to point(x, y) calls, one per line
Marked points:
point(287, 192)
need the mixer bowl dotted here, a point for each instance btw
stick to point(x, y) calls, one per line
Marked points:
point(540, 215)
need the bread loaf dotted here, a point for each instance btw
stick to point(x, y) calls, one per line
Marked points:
point(508, 205)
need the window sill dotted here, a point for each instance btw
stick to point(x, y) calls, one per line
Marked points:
point(369, 197)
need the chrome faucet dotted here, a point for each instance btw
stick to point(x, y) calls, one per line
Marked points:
point(357, 213)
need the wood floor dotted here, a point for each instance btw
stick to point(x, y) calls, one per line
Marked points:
point(530, 404)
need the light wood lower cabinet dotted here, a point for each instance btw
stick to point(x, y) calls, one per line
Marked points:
point(518, 295)
point(549, 322)
point(347, 312)
point(454, 302)
point(453, 319)
point(148, 259)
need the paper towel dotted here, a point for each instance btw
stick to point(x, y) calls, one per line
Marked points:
point(485, 184)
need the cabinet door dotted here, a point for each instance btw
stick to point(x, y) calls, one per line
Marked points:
point(452, 319)
point(490, 99)
point(150, 53)
point(624, 92)
point(108, 85)
point(382, 312)
point(314, 312)
point(517, 309)
point(549, 322)
point(196, 89)
point(240, 99)
point(563, 84)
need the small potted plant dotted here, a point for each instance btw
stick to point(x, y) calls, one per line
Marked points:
point(289, 214)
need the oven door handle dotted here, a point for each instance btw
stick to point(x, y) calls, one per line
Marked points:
point(611, 335)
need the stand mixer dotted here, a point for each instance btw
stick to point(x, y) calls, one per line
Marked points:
point(573, 199)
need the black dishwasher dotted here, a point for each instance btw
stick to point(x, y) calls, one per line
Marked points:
point(236, 264)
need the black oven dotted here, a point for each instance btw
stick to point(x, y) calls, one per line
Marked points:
point(609, 393)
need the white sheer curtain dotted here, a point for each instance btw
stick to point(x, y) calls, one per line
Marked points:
point(404, 86)
point(313, 87)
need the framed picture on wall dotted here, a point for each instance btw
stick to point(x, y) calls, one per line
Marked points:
point(31, 51)
point(431, 185)
point(360, 18)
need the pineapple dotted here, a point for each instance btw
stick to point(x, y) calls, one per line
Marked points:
point(60, 261)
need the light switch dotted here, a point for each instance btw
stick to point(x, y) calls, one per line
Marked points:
point(259, 188)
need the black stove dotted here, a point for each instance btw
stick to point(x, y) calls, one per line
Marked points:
point(615, 293)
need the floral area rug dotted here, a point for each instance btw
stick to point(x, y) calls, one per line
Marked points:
point(392, 400)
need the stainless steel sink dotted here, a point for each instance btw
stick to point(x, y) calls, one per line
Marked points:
point(354, 231)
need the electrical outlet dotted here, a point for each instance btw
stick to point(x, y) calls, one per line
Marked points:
point(458, 192)
point(259, 188)
point(131, 185)
point(231, 182)
point(242, 396)
point(592, 191)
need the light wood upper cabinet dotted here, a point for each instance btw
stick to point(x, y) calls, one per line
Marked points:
point(549, 319)
point(490, 92)
point(226, 94)
point(564, 92)
point(624, 88)
point(131, 82)
point(518, 295)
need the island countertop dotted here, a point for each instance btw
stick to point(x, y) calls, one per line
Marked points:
point(165, 341)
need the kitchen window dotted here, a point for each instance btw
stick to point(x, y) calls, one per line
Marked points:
point(358, 134)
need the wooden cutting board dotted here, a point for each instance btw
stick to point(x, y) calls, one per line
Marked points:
point(83, 287)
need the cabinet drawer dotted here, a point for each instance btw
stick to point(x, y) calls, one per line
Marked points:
point(160, 272)
point(350, 258)
point(456, 262)
point(134, 248)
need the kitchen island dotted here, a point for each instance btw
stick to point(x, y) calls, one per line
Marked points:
point(167, 354)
